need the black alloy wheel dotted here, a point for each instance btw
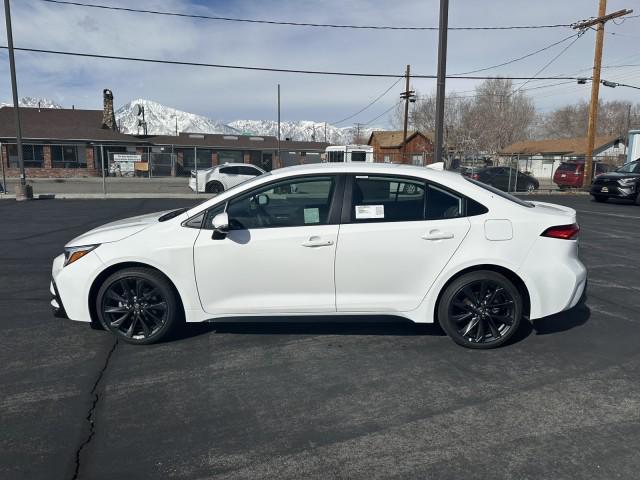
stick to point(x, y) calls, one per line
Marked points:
point(531, 187)
point(138, 305)
point(214, 187)
point(480, 310)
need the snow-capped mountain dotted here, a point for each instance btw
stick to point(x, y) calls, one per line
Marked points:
point(161, 120)
point(304, 130)
point(34, 102)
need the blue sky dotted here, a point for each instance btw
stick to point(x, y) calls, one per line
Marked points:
point(228, 95)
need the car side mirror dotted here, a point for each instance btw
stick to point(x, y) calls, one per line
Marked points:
point(220, 225)
point(263, 200)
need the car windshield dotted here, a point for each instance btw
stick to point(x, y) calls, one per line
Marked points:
point(500, 193)
point(631, 167)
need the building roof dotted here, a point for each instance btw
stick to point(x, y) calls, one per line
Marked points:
point(51, 124)
point(561, 146)
point(243, 142)
point(59, 124)
point(393, 138)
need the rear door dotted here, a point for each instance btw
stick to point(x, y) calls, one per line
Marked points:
point(397, 235)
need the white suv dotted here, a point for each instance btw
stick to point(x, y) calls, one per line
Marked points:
point(223, 177)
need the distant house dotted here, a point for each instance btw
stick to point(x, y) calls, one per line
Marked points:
point(71, 143)
point(542, 157)
point(389, 147)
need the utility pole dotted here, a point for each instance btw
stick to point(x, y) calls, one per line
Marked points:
point(23, 191)
point(325, 132)
point(442, 72)
point(600, 20)
point(357, 137)
point(278, 162)
point(407, 96)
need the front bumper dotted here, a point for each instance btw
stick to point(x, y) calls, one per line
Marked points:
point(613, 190)
point(57, 307)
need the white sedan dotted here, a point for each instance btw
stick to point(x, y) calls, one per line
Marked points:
point(223, 177)
point(330, 239)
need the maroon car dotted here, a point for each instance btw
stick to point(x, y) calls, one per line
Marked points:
point(569, 174)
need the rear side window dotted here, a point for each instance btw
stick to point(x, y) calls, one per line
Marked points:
point(249, 171)
point(442, 204)
point(387, 199)
point(230, 170)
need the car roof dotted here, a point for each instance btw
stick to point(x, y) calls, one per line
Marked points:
point(236, 165)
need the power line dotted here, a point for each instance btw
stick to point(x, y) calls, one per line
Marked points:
point(268, 69)
point(519, 58)
point(369, 104)
point(551, 61)
point(383, 113)
point(296, 24)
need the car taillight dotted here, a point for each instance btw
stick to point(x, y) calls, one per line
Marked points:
point(563, 232)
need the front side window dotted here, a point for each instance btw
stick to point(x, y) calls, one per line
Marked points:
point(387, 199)
point(633, 167)
point(290, 203)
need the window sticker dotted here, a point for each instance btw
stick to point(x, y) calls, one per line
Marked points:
point(311, 215)
point(369, 211)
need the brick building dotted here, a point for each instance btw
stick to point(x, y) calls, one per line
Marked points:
point(388, 147)
point(69, 143)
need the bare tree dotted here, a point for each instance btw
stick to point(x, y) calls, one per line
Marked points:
point(570, 121)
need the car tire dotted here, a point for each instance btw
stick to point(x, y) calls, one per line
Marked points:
point(531, 187)
point(637, 202)
point(480, 310)
point(214, 187)
point(138, 305)
point(600, 198)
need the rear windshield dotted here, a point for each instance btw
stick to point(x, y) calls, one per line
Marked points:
point(500, 193)
point(568, 167)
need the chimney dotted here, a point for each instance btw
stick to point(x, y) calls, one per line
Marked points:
point(108, 116)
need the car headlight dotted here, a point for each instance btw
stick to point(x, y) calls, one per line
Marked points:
point(627, 181)
point(72, 254)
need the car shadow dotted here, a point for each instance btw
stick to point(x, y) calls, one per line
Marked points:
point(313, 325)
point(563, 321)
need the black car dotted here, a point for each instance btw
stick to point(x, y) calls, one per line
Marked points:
point(624, 183)
point(506, 179)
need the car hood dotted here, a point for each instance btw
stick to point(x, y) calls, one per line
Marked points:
point(114, 231)
point(617, 175)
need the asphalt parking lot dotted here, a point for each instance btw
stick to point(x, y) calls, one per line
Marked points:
point(369, 399)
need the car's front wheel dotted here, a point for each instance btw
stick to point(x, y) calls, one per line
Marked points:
point(480, 310)
point(531, 187)
point(138, 305)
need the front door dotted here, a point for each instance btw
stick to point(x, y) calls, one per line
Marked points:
point(279, 254)
point(397, 238)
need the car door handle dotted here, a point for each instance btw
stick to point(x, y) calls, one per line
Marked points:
point(317, 242)
point(437, 235)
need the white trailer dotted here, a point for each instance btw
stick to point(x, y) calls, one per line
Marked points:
point(349, 153)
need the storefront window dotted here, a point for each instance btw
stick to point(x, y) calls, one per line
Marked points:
point(68, 156)
point(33, 155)
point(230, 156)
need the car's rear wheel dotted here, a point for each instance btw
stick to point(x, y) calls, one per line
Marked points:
point(600, 198)
point(531, 187)
point(138, 305)
point(480, 310)
point(214, 187)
